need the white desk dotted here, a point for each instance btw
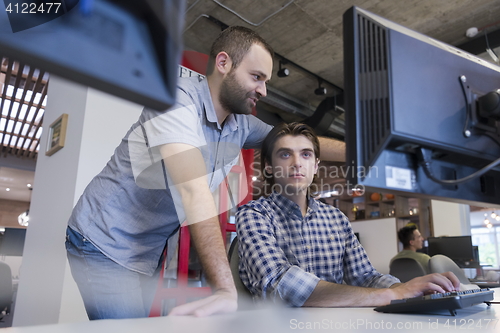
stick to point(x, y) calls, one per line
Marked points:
point(479, 318)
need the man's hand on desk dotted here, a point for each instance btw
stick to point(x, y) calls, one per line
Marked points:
point(219, 302)
point(431, 283)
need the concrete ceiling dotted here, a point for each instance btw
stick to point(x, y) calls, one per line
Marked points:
point(309, 33)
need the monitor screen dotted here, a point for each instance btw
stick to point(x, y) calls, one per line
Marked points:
point(418, 114)
point(127, 48)
point(458, 248)
point(12, 242)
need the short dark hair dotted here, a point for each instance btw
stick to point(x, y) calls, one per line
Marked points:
point(406, 235)
point(294, 129)
point(235, 41)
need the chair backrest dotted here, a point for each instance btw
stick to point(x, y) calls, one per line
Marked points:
point(6, 291)
point(244, 295)
point(440, 264)
point(406, 269)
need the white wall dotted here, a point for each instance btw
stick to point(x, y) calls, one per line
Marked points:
point(379, 238)
point(14, 263)
point(107, 119)
point(39, 294)
point(450, 219)
point(96, 123)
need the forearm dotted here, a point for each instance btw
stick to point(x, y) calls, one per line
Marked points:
point(207, 239)
point(328, 294)
point(336, 295)
point(204, 227)
point(208, 242)
point(187, 171)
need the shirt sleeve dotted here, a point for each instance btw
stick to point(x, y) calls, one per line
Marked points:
point(264, 268)
point(179, 124)
point(358, 270)
point(258, 131)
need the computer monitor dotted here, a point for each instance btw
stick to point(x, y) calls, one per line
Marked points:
point(475, 250)
point(421, 115)
point(458, 248)
point(12, 242)
point(127, 48)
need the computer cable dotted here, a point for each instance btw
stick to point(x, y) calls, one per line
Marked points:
point(422, 154)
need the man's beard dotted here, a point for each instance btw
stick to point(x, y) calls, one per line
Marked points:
point(233, 97)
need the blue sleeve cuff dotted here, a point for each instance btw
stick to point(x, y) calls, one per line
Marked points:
point(382, 281)
point(296, 286)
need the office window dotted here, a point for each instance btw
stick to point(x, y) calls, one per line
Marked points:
point(485, 231)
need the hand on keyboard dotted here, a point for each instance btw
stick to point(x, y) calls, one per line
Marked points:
point(427, 284)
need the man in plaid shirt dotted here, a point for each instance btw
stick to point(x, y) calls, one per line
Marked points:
point(296, 249)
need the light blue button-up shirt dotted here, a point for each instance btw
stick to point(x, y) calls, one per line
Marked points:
point(128, 210)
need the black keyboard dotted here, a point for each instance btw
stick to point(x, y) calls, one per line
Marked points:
point(450, 301)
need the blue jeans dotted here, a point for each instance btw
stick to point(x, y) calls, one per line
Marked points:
point(109, 290)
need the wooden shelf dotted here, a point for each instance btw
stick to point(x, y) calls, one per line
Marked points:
point(397, 207)
point(408, 216)
point(380, 201)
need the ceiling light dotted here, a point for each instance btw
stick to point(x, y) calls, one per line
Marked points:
point(471, 32)
point(24, 218)
point(29, 185)
point(489, 226)
point(320, 90)
point(486, 221)
point(493, 215)
point(254, 178)
point(7, 189)
point(283, 72)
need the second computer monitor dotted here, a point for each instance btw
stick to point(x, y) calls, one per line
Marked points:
point(458, 248)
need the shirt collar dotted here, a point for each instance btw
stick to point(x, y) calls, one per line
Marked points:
point(286, 204)
point(208, 105)
point(231, 124)
point(313, 204)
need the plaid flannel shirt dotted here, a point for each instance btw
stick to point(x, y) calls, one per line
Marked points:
point(283, 255)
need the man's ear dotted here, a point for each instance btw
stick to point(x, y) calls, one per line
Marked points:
point(316, 166)
point(223, 63)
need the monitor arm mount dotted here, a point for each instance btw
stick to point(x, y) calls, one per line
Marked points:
point(482, 112)
point(482, 118)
